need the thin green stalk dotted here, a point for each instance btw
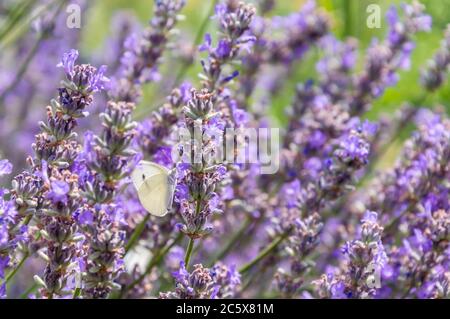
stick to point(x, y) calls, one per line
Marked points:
point(156, 260)
point(15, 17)
point(30, 290)
point(264, 253)
point(23, 67)
point(16, 269)
point(348, 17)
point(24, 26)
point(11, 275)
point(76, 293)
point(190, 248)
point(232, 242)
point(198, 38)
point(136, 234)
point(250, 280)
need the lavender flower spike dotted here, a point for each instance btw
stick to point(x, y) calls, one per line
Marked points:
point(106, 161)
point(49, 192)
point(10, 236)
point(433, 75)
point(202, 283)
point(140, 61)
point(366, 259)
point(234, 19)
point(384, 59)
point(198, 177)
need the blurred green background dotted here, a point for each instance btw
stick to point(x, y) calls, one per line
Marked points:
point(348, 19)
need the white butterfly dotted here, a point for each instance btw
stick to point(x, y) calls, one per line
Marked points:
point(155, 186)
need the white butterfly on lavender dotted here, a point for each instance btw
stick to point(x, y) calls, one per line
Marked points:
point(155, 185)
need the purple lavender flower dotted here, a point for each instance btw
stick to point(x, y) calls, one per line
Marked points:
point(140, 61)
point(9, 237)
point(203, 283)
point(303, 28)
point(303, 239)
point(234, 20)
point(59, 191)
point(108, 159)
point(5, 167)
point(414, 195)
point(295, 35)
point(68, 62)
point(154, 132)
point(335, 67)
point(433, 75)
point(384, 59)
point(227, 281)
point(49, 192)
point(74, 208)
point(82, 77)
point(366, 259)
point(37, 52)
point(199, 175)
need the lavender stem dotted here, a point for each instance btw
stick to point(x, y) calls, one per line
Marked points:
point(264, 253)
point(189, 250)
point(198, 38)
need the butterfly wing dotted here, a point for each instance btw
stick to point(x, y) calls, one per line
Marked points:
point(153, 194)
point(145, 170)
point(155, 186)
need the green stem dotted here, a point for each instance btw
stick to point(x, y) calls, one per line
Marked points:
point(136, 234)
point(348, 18)
point(30, 290)
point(23, 26)
point(385, 146)
point(190, 248)
point(198, 38)
point(76, 293)
point(156, 260)
point(232, 242)
point(15, 17)
point(11, 275)
point(264, 253)
point(16, 269)
point(23, 67)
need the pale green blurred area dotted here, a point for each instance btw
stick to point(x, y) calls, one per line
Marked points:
point(348, 19)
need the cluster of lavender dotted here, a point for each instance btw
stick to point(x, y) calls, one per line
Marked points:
point(154, 132)
point(384, 59)
point(324, 226)
point(8, 238)
point(140, 60)
point(304, 29)
point(22, 88)
point(48, 194)
point(234, 19)
point(361, 274)
point(198, 177)
point(434, 75)
point(107, 159)
point(300, 219)
point(206, 115)
point(414, 196)
point(217, 282)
